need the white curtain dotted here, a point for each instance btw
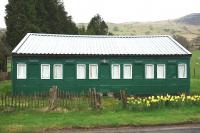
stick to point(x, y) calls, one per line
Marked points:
point(58, 71)
point(116, 71)
point(45, 71)
point(182, 71)
point(93, 72)
point(161, 71)
point(21, 71)
point(149, 71)
point(81, 72)
point(127, 71)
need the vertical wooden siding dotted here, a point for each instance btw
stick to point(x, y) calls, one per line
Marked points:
point(137, 85)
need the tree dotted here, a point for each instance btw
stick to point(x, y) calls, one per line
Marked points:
point(46, 16)
point(183, 41)
point(4, 53)
point(97, 26)
point(82, 30)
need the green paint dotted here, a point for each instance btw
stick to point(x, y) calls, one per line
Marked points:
point(137, 85)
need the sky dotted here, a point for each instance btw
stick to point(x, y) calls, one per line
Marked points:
point(119, 11)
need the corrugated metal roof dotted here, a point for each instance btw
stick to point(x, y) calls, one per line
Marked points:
point(35, 43)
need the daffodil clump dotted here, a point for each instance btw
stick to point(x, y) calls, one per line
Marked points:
point(142, 103)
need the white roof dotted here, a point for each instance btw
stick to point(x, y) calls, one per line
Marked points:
point(36, 43)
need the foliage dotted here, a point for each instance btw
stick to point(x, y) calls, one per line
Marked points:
point(46, 16)
point(82, 30)
point(138, 103)
point(182, 40)
point(5, 87)
point(97, 26)
point(4, 53)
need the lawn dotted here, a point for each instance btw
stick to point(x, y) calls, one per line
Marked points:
point(26, 121)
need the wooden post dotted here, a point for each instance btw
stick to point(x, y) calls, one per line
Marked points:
point(123, 95)
point(53, 98)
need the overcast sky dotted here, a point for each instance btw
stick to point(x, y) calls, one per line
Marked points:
point(118, 11)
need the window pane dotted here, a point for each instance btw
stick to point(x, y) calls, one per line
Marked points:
point(116, 71)
point(160, 71)
point(45, 71)
point(81, 72)
point(182, 71)
point(21, 71)
point(149, 70)
point(127, 71)
point(58, 71)
point(93, 71)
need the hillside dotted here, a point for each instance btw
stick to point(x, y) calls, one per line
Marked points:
point(192, 19)
point(159, 27)
point(186, 26)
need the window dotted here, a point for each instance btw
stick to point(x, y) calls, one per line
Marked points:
point(115, 71)
point(81, 71)
point(161, 71)
point(127, 71)
point(149, 71)
point(57, 71)
point(93, 71)
point(45, 71)
point(182, 71)
point(21, 71)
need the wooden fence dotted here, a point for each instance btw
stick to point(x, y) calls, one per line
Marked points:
point(64, 99)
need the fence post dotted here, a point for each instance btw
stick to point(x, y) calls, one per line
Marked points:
point(53, 97)
point(123, 96)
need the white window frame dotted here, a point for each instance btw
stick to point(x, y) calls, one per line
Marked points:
point(90, 76)
point(146, 71)
point(163, 72)
point(54, 76)
point(42, 72)
point(185, 76)
point(113, 71)
point(124, 71)
point(25, 75)
point(77, 77)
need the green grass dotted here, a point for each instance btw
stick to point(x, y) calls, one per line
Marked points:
point(26, 121)
point(195, 86)
point(195, 64)
point(5, 87)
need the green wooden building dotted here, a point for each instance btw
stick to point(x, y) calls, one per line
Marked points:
point(142, 64)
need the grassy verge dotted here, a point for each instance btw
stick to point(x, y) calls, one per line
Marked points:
point(26, 121)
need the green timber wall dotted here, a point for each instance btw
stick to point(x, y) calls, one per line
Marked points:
point(137, 85)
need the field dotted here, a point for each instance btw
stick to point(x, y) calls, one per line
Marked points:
point(28, 120)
